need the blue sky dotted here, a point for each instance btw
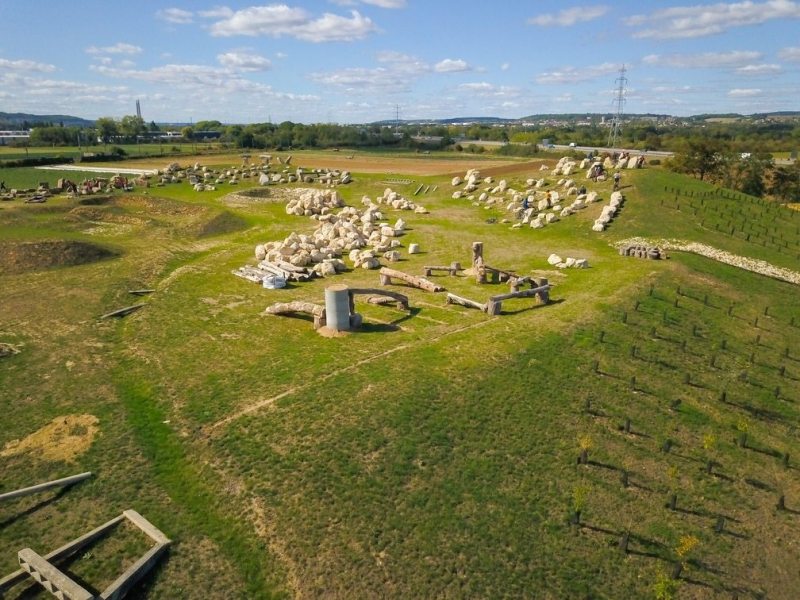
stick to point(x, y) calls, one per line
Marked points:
point(354, 61)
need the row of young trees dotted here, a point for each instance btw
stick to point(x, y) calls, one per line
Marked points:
point(756, 174)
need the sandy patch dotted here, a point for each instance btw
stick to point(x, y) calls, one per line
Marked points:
point(64, 438)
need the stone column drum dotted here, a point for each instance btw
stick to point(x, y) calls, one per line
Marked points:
point(337, 307)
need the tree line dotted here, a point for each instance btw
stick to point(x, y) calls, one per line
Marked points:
point(753, 173)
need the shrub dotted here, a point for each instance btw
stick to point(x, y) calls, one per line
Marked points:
point(35, 161)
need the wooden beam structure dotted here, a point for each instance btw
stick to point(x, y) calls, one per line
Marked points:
point(387, 275)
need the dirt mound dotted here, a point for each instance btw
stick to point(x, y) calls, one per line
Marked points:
point(224, 222)
point(64, 438)
point(22, 257)
point(95, 200)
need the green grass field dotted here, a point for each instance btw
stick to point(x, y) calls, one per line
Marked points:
point(428, 455)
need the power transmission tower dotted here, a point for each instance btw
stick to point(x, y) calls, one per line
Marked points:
point(621, 84)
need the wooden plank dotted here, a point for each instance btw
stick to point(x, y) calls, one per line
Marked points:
point(130, 577)
point(122, 312)
point(51, 578)
point(453, 299)
point(64, 551)
point(45, 486)
point(401, 298)
point(521, 294)
point(419, 282)
point(146, 526)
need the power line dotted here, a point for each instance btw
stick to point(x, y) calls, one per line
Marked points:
point(621, 85)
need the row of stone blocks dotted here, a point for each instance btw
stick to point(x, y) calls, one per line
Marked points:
point(651, 252)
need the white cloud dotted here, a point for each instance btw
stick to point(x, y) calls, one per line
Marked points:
point(577, 74)
point(744, 92)
point(488, 90)
point(569, 16)
point(710, 19)
point(242, 61)
point(281, 55)
point(215, 82)
point(278, 20)
point(175, 15)
point(404, 63)
point(118, 48)
point(378, 3)
point(361, 80)
point(505, 67)
point(762, 69)
point(218, 12)
point(791, 54)
point(481, 86)
point(26, 65)
point(386, 3)
point(706, 60)
point(449, 65)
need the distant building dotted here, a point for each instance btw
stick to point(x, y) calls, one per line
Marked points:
point(13, 136)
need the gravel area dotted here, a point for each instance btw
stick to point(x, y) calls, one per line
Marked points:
point(743, 262)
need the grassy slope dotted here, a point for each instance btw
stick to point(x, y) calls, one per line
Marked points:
point(428, 455)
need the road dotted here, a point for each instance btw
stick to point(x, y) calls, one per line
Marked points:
point(649, 153)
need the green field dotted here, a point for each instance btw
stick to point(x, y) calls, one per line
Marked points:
point(432, 454)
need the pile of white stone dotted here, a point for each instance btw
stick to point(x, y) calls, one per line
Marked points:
point(568, 263)
point(312, 202)
point(608, 212)
point(363, 235)
point(396, 201)
point(472, 180)
point(565, 166)
point(204, 178)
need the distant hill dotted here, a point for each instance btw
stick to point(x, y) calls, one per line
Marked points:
point(18, 119)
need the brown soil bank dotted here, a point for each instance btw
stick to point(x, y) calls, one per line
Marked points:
point(22, 257)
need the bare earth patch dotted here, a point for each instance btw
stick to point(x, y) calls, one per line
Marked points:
point(64, 438)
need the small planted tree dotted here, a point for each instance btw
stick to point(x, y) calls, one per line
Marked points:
point(672, 483)
point(665, 587)
point(743, 427)
point(709, 445)
point(580, 494)
point(584, 444)
point(683, 551)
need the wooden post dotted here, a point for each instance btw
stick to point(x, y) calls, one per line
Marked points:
point(477, 254)
point(453, 299)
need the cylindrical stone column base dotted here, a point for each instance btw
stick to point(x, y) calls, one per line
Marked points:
point(337, 307)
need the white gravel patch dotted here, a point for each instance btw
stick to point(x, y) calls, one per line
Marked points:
point(755, 265)
point(115, 170)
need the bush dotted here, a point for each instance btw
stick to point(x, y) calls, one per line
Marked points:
point(35, 161)
point(518, 150)
point(655, 161)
